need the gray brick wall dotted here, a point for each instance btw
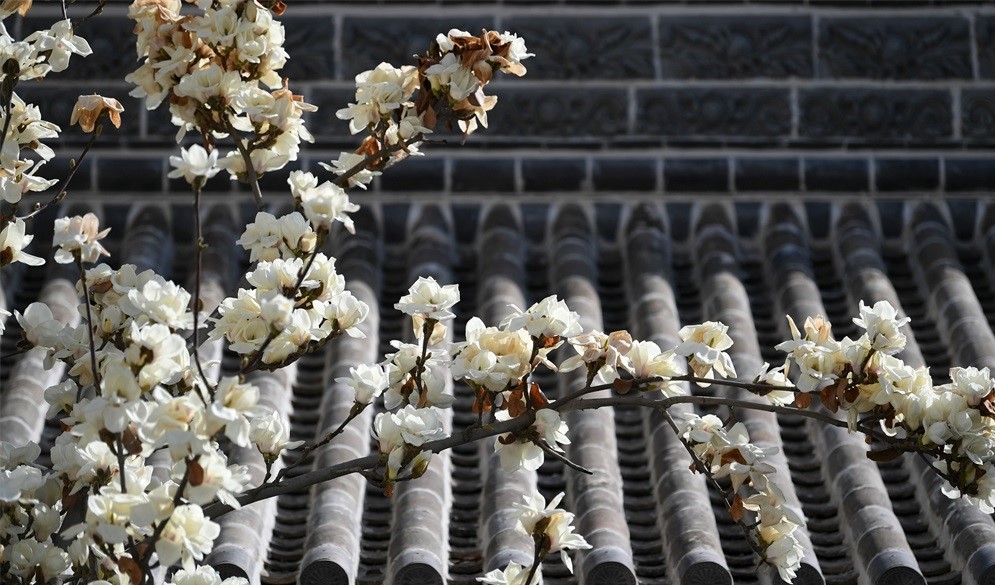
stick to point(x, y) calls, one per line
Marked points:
point(886, 97)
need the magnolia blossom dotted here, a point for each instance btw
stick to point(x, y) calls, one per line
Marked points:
point(883, 326)
point(346, 162)
point(269, 238)
point(535, 517)
point(204, 575)
point(513, 574)
point(603, 354)
point(367, 382)
point(62, 42)
point(401, 434)
point(647, 360)
point(704, 347)
point(187, 537)
point(776, 377)
point(12, 244)
point(322, 204)
point(518, 453)
point(89, 108)
point(194, 164)
point(550, 318)
point(79, 235)
point(271, 434)
point(429, 299)
point(816, 354)
point(492, 358)
point(39, 326)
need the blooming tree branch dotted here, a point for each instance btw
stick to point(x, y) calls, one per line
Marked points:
point(135, 388)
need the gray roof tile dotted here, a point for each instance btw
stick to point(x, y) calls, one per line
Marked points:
point(647, 516)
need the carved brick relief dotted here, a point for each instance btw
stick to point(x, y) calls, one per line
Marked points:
point(725, 111)
point(587, 48)
point(367, 42)
point(717, 48)
point(895, 48)
point(978, 113)
point(311, 37)
point(560, 112)
point(875, 113)
point(985, 38)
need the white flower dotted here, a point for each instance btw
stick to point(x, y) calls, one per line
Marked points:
point(535, 517)
point(216, 479)
point(234, 402)
point(194, 164)
point(549, 318)
point(883, 326)
point(648, 361)
point(204, 575)
point(12, 244)
point(271, 434)
point(400, 436)
point(427, 298)
point(18, 482)
point(276, 311)
point(783, 550)
point(776, 377)
point(323, 203)
point(971, 383)
point(345, 163)
point(513, 574)
point(367, 381)
point(492, 357)
point(268, 238)
point(704, 345)
point(606, 353)
point(188, 536)
point(78, 235)
point(516, 454)
point(39, 326)
point(344, 312)
point(28, 556)
point(62, 43)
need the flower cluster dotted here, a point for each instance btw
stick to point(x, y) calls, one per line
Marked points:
point(219, 71)
point(955, 422)
point(293, 307)
point(729, 453)
point(398, 106)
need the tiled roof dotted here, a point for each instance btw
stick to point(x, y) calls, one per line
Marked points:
point(649, 267)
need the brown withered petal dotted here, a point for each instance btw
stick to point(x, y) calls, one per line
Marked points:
point(737, 510)
point(21, 6)
point(89, 108)
point(803, 400)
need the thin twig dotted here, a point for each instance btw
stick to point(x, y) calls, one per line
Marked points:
point(308, 449)
point(89, 323)
point(61, 193)
point(198, 268)
point(250, 169)
point(379, 155)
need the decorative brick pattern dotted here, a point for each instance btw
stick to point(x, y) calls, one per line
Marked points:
point(370, 41)
point(587, 48)
point(316, 35)
point(558, 112)
point(726, 111)
point(978, 113)
point(895, 48)
point(985, 35)
point(620, 90)
point(729, 48)
point(865, 113)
